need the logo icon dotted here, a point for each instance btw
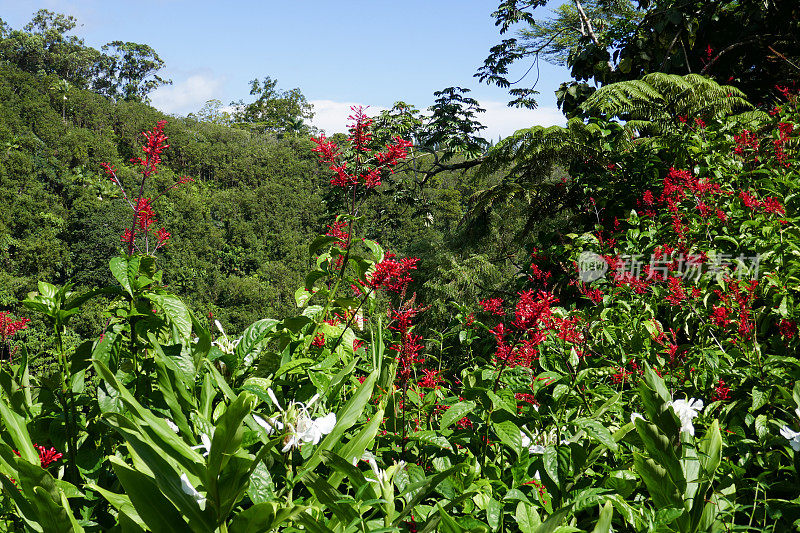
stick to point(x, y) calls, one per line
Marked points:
point(591, 267)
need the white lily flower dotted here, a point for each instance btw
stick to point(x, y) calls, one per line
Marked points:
point(205, 444)
point(189, 489)
point(686, 410)
point(172, 425)
point(270, 424)
point(792, 436)
point(224, 343)
point(274, 399)
point(308, 431)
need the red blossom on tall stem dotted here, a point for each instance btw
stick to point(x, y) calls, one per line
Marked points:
point(8, 328)
point(393, 275)
point(143, 215)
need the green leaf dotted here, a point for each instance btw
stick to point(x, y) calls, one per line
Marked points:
point(263, 517)
point(319, 243)
point(446, 522)
point(604, 522)
point(433, 438)
point(509, 434)
point(527, 518)
point(598, 431)
point(119, 269)
point(660, 449)
point(18, 430)
point(120, 502)
point(150, 503)
point(345, 418)
point(711, 449)
point(661, 488)
point(176, 312)
point(253, 336)
point(454, 413)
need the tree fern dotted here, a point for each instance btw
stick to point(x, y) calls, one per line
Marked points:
point(652, 104)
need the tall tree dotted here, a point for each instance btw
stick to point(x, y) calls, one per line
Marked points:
point(752, 44)
point(274, 110)
point(128, 71)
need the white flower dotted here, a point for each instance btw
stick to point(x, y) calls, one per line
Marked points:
point(270, 424)
point(205, 444)
point(686, 410)
point(172, 425)
point(792, 436)
point(634, 416)
point(308, 431)
point(527, 443)
point(274, 399)
point(189, 489)
point(224, 343)
point(380, 474)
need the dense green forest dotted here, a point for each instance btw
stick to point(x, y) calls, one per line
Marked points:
point(228, 321)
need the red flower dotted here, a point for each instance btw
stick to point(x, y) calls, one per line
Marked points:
point(47, 457)
point(532, 308)
point(719, 316)
point(787, 328)
point(110, 170)
point(327, 150)
point(721, 392)
point(319, 340)
point(677, 294)
point(773, 205)
point(162, 235)
point(393, 275)
point(431, 379)
point(493, 306)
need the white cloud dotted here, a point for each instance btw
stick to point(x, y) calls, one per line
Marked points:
point(188, 95)
point(499, 119)
point(331, 116)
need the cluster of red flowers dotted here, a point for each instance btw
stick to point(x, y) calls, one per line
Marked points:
point(746, 141)
point(784, 130)
point(787, 328)
point(721, 392)
point(409, 346)
point(9, 326)
point(319, 340)
point(621, 375)
point(369, 165)
point(143, 215)
point(769, 204)
point(393, 275)
point(46, 456)
point(337, 230)
point(532, 320)
point(738, 297)
point(493, 306)
point(430, 379)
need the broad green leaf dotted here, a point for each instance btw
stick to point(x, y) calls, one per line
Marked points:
point(252, 336)
point(345, 418)
point(662, 451)
point(598, 431)
point(176, 312)
point(152, 506)
point(455, 413)
point(604, 522)
point(509, 434)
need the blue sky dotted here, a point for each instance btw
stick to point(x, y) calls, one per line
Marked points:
point(338, 53)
